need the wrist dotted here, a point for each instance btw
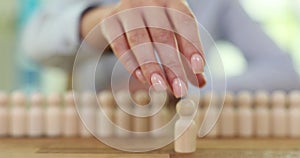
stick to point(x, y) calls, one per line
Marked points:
point(91, 17)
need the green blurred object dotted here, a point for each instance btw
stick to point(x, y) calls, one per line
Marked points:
point(280, 19)
point(233, 59)
point(8, 27)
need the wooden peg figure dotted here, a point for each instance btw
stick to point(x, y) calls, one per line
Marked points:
point(228, 117)
point(18, 115)
point(53, 116)
point(122, 114)
point(35, 123)
point(141, 97)
point(70, 116)
point(211, 102)
point(262, 114)
point(245, 121)
point(185, 127)
point(159, 113)
point(3, 114)
point(87, 114)
point(105, 114)
point(279, 113)
point(294, 114)
point(140, 119)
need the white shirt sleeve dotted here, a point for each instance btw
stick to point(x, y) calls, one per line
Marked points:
point(52, 35)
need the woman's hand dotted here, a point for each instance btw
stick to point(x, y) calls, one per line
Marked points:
point(136, 28)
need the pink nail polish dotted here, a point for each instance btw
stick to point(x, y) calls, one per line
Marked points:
point(179, 88)
point(197, 64)
point(158, 82)
point(140, 76)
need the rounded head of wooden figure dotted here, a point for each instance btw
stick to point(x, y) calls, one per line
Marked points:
point(244, 98)
point(69, 99)
point(54, 99)
point(262, 98)
point(88, 99)
point(278, 98)
point(18, 98)
point(185, 107)
point(3, 98)
point(159, 99)
point(37, 99)
point(141, 97)
point(209, 98)
point(228, 99)
point(106, 98)
point(294, 98)
point(123, 99)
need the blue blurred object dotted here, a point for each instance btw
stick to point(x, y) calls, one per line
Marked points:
point(26, 8)
point(28, 71)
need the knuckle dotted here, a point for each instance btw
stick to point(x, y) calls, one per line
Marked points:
point(188, 20)
point(119, 45)
point(137, 37)
point(162, 36)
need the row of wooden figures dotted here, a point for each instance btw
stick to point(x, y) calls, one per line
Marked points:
point(239, 117)
point(244, 114)
point(261, 114)
point(21, 117)
point(53, 120)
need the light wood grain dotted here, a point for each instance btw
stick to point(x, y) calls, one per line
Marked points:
point(90, 148)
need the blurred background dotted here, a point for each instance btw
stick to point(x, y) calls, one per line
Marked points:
point(279, 18)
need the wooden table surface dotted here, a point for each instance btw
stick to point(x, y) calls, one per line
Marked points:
point(90, 148)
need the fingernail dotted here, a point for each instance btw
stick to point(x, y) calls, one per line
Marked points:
point(197, 64)
point(140, 76)
point(203, 81)
point(158, 82)
point(179, 88)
